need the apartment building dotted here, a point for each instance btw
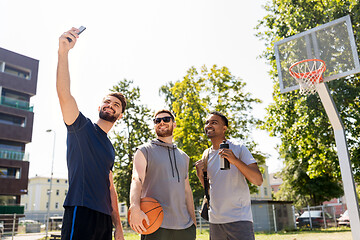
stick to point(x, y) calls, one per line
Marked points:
point(36, 201)
point(18, 81)
point(264, 191)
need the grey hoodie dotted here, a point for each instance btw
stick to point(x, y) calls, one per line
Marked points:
point(166, 171)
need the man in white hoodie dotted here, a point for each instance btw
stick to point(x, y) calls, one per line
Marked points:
point(160, 171)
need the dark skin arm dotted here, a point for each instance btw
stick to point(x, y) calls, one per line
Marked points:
point(251, 171)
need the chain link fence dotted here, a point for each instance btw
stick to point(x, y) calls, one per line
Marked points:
point(324, 216)
point(12, 224)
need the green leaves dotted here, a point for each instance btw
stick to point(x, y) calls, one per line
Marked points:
point(311, 174)
point(194, 97)
point(130, 132)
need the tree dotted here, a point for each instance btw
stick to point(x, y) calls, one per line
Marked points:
point(311, 174)
point(132, 131)
point(193, 98)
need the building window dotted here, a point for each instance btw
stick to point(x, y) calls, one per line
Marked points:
point(65, 192)
point(122, 209)
point(15, 99)
point(17, 71)
point(7, 172)
point(12, 146)
point(12, 120)
point(11, 150)
point(57, 192)
point(265, 191)
point(7, 200)
point(57, 205)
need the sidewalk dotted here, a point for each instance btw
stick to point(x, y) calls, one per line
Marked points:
point(28, 236)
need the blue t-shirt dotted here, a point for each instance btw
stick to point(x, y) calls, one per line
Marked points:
point(90, 158)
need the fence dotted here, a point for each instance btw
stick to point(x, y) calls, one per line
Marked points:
point(200, 222)
point(12, 224)
point(9, 223)
point(270, 217)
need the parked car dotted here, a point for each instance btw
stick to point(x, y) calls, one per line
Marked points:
point(27, 221)
point(344, 219)
point(317, 219)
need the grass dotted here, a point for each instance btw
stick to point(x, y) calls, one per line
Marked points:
point(324, 234)
point(328, 234)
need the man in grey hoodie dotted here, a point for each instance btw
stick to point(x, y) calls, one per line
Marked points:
point(160, 171)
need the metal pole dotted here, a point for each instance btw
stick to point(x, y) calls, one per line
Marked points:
point(274, 216)
point(51, 177)
point(324, 217)
point(13, 228)
point(310, 216)
point(344, 159)
point(200, 222)
point(293, 209)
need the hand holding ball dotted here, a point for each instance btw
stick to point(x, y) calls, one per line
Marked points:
point(153, 211)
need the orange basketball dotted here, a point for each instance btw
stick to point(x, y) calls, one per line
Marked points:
point(153, 211)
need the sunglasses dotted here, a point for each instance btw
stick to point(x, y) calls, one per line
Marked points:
point(165, 119)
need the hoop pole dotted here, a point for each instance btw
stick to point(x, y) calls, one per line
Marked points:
point(344, 159)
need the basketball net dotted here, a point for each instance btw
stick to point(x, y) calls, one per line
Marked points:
point(308, 73)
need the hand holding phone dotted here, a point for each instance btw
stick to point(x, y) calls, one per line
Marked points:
point(81, 29)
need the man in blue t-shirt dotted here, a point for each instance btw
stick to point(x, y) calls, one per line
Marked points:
point(91, 207)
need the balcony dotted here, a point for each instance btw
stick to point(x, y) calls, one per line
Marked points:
point(12, 102)
point(11, 209)
point(14, 155)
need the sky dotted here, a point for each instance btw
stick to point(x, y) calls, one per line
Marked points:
point(149, 42)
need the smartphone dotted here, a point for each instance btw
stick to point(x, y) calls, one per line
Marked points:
point(81, 29)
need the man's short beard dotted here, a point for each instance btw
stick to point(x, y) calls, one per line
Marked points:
point(167, 133)
point(107, 117)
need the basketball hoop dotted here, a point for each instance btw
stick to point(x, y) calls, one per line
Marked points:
point(307, 73)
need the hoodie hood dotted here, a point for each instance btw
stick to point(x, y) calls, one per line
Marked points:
point(171, 156)
point(163, 144)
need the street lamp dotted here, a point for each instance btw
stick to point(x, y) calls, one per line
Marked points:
point(51, 177)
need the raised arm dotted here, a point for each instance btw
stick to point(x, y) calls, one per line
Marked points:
point(68, 104)
point(137, 216)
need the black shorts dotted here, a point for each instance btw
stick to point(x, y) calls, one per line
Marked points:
point(241, 230)
point(166, 234)
point(83, 223)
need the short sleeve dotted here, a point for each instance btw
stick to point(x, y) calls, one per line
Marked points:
point(246, 156)
point(80, 122)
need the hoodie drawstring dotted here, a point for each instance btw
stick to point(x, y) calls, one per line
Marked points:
point(172, 168)
point(177, 171)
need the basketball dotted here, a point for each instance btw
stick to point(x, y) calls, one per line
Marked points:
point(153, 211)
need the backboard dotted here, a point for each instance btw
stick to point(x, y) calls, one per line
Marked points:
point(332, 42)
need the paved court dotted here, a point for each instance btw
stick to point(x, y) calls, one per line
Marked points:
point(28, 236)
